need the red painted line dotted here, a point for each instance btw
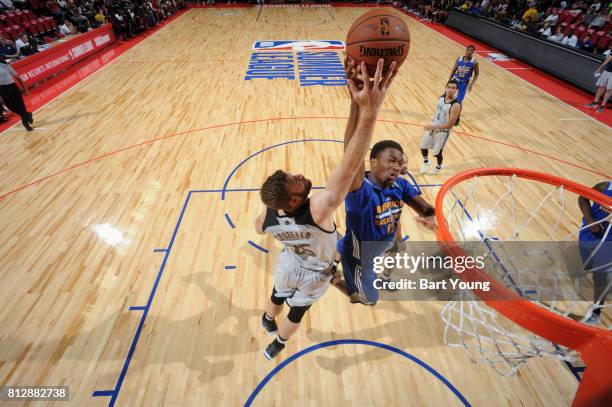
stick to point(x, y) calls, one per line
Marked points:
point(169, 136)
point(567, 93)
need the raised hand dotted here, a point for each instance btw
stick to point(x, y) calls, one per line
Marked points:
point(372, 94)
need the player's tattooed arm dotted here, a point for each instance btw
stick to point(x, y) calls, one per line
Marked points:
point(259, 223)
point(585, 208)
point(426, 212)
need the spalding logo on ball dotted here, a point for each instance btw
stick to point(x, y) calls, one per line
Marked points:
point(378, 34)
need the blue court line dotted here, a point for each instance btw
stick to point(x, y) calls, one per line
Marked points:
point(390, 348)
point(137, 308)
point(103, 393)
point(114, 393)
point(258, 247)
point(159, 250)
point(405, 238)
point(227, 218)
point(231, 174)
point(230, 267)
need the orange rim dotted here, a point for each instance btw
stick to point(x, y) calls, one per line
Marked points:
point(593, 344)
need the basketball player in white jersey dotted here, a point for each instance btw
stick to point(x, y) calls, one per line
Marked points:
point(304, 225)
point(447, 113)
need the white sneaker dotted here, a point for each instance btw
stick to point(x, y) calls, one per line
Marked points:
point(434, 170)
point(425, 167)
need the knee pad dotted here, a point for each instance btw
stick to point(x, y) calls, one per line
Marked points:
point(297, 313)
point(276, 300)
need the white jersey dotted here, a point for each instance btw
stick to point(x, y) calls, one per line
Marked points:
point(443, 111)
point(310, 246)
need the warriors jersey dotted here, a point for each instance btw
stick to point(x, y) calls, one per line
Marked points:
point(310, 246)
point(464, 69)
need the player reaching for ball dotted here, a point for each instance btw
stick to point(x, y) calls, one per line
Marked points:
point(304, 225)
point(437, 133)
point(373, 210)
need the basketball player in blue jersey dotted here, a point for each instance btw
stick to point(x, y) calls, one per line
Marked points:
point(305, 226)
point(464, 67)
point(596, 227)
point(373, 210)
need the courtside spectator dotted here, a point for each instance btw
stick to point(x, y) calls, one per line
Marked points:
point(558, 37)
point(570, 40)
point(8, 49)
point(586, 44)
point(530, 13)
point(545, 31)
point(599, 21)
point(67, 28)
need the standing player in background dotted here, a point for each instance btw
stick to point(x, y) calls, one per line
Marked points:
point(437, 133)
point(305, 226)
point(597, 254)
point(464, 67)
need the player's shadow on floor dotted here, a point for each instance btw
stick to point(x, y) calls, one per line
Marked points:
point(395, 333)
point(160, 342)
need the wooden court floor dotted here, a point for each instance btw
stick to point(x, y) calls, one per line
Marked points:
point(145, 230)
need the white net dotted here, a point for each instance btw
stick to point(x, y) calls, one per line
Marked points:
point(532, 249)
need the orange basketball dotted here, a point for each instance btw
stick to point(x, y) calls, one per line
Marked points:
point(377, 34)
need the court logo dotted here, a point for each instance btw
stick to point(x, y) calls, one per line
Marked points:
point(310, 45)
point(313, 62)
point(497, 57)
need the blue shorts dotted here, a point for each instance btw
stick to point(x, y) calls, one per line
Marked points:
point(462, 91)
point(359, 280)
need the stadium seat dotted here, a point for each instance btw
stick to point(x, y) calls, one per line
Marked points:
point(3, 20)
point(597, 35)
point(570, 27)
point(602, 44)
point(580, 31)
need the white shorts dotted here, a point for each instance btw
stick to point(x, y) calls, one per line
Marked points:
point(300, 286)
point(434, 140)
point(605, 80)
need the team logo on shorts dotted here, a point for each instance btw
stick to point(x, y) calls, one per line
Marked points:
point(300, 45)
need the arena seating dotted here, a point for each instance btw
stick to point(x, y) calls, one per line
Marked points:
point(15, 23)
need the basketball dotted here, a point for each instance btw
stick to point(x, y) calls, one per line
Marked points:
point(378, 34)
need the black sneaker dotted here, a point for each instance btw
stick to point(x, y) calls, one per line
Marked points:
point(591, 105)
point(600, 109)
point(273, 349)
point(270, 326)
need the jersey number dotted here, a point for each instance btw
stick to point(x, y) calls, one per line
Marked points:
point(303, 250)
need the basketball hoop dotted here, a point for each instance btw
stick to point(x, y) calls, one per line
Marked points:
point(534, 326)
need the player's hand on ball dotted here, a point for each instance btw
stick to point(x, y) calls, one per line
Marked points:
point(372, 93)
point(429, 222)
point(352, 71)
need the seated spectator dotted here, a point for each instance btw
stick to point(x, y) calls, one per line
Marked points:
point(599, 21)
point(589, 16)
point(8, 5)
point(67, 28)
point(586, 44)
point(558, 37)
point(100, 18)
point(545, 31)
point(596, 5)
point(8, 49)
point(552, 18)
point(24, 47)
point(528, 26)
point(608, 52)
point(475, 9)
point(570, 40)
point(465, 6)
point(530, 13)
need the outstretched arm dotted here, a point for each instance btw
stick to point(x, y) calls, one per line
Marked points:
point(369, 99)
point(452, 119)
point(426, 212)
